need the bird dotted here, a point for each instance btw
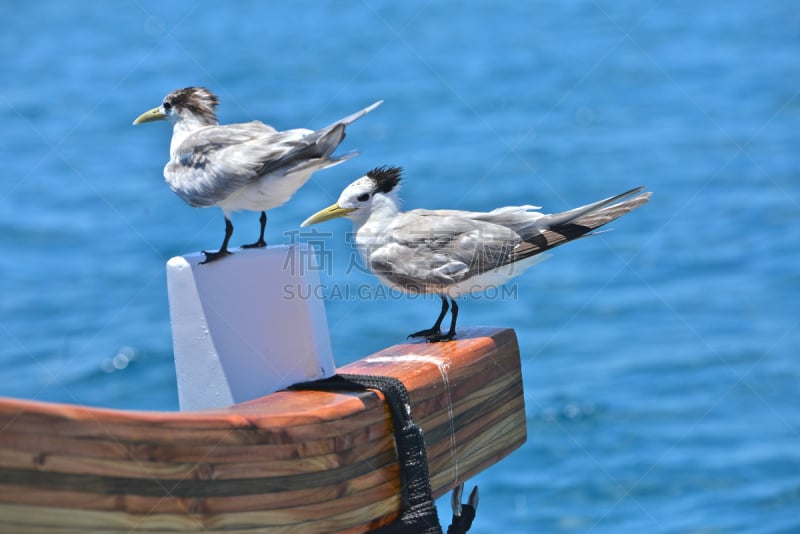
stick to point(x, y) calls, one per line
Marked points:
point(451, 252)
point(247, 166)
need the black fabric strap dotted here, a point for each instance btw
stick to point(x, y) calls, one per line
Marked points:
point(419, 513)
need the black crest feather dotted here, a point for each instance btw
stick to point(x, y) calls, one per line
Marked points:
point(198, 100)
point(386, 177)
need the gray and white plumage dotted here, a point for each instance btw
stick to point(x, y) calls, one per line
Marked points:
point(248, 166)
point(453, 252)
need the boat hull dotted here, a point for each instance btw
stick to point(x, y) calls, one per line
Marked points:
point(292, 461)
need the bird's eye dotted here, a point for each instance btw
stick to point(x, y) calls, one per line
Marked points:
point(167, 106)
point(363, 197)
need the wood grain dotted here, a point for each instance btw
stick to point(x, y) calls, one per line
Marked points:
point(293, 461)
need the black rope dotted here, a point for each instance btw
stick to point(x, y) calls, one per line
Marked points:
point(419, 513)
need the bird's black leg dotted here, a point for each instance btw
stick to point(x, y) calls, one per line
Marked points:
point(260, 243)
point(436, 328)
point(450, 333)
point(223, 250)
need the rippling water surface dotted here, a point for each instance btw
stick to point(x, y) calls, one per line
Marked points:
point(660, 359)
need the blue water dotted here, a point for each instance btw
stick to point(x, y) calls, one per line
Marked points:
point(661, 373)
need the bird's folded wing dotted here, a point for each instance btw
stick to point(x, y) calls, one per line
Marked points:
point(430, 248)
point(543, 239)
point(214, 162)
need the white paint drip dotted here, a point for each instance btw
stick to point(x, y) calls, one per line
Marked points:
point(443, 366)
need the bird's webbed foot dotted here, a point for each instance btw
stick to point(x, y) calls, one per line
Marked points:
point(437, 337)
point(258, 244)
point(428, 332)
point(214, 256)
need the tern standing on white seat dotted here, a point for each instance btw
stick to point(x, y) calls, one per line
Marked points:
point(249, 166)
point(452, 252)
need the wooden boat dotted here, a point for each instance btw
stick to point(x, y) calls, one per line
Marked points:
point(292, 461)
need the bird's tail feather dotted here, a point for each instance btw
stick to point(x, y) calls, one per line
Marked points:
point(338, 126)
point(565, 217)
point(586, 224)
point(357, 115)
point(322, 163)
point(331, 136)
point(315, 152)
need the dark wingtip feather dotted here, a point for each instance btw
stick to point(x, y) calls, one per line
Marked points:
point(386, 177)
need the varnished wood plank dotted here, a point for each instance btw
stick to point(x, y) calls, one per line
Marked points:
point(323, 517)
point(470, 424)
point(251, 466)
point(39, 444)
point(211, 468)
point(475, 457)
point(120, 485)
point(383, 482)
point(214, 428)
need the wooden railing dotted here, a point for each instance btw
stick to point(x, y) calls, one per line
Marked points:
point(291, 461)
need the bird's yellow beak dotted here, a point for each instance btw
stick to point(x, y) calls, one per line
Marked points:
point(331, 212)
point(154, 114)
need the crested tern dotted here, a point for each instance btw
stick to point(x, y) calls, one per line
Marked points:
point(249, 166)
point(452, 252)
